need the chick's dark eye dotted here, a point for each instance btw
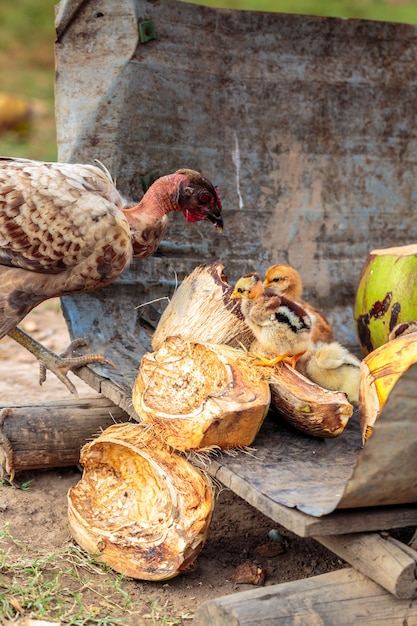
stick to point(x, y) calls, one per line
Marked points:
point(276, 280)
point(204, 197)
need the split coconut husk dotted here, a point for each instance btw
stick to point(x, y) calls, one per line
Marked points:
point(380, 370)
point(306, 406)
point(201, 309)
point(197, 395)
point(386, 295)
point(142, 507)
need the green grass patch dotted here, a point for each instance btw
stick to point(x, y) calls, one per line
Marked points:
point(385, 10)
point(71, 587)
point(27, 36)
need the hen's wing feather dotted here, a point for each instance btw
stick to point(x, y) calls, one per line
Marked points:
point(61, 231)
point(53, 216)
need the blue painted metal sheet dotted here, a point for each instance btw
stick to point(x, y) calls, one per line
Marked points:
point(307, 124)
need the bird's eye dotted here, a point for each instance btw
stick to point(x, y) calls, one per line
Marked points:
point(205, 197)
point(240, 290)
point(276, 280)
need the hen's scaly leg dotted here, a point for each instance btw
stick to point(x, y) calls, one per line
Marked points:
point(58, 364)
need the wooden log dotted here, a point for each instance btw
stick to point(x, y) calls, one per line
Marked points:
point(340, 598)
point(51, 434)
point(413, 541)
point(388, 562)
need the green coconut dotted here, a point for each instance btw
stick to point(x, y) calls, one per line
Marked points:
point(386, 294)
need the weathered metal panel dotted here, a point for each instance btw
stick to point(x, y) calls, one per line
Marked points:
point(307, 124)
point(317, 476)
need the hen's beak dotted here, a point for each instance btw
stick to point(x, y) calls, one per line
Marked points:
point(217, 220)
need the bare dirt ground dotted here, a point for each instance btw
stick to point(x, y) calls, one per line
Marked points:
point(38, 517)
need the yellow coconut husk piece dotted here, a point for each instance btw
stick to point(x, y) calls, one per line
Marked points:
point(140, 506)
point(380, 370)
point(201, 309)
point(306, 406)
point(197, 395)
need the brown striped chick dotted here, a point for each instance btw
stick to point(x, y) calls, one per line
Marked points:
point(282, 328)
point(284, 280)
point(333, 367)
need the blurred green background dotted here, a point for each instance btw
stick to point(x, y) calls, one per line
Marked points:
point(27, 60)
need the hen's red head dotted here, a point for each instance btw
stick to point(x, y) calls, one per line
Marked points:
point(198, 199)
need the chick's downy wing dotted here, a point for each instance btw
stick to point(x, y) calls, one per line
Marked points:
point(264, 310)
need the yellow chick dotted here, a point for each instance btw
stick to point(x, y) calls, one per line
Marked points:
point(284, 280)
point(333, 367)
point(282, 328)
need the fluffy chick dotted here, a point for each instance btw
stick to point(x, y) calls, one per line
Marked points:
point(284, 280)
point(282, 328)
point(333, 367)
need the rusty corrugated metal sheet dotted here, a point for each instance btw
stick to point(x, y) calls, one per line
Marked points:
point(307, 124)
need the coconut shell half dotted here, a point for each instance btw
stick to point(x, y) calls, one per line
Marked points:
point(197, 395)
point(139, 505)
point(380, 371)
point(306, 406)
point(202, 309)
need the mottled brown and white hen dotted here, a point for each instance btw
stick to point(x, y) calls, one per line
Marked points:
point(65, 229)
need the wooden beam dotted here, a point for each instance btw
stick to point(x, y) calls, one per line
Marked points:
point(51, 434)
point(388, 562)
point(118, 392)
point(335, 599)
point(336, 523)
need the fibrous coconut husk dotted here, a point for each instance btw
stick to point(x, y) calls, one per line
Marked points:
point(199, 395)
point(201, 309)
point(142, 507)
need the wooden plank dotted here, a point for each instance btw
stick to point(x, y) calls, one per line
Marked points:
point(342, 598)
point(386, 469)
point(279, 457)
point(339, 522)
point(51, 434)
point(413, 541)
point(115, 389)
point(389, 563)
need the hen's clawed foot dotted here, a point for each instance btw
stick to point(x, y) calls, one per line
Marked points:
point(58, 364)
point(61, 364)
